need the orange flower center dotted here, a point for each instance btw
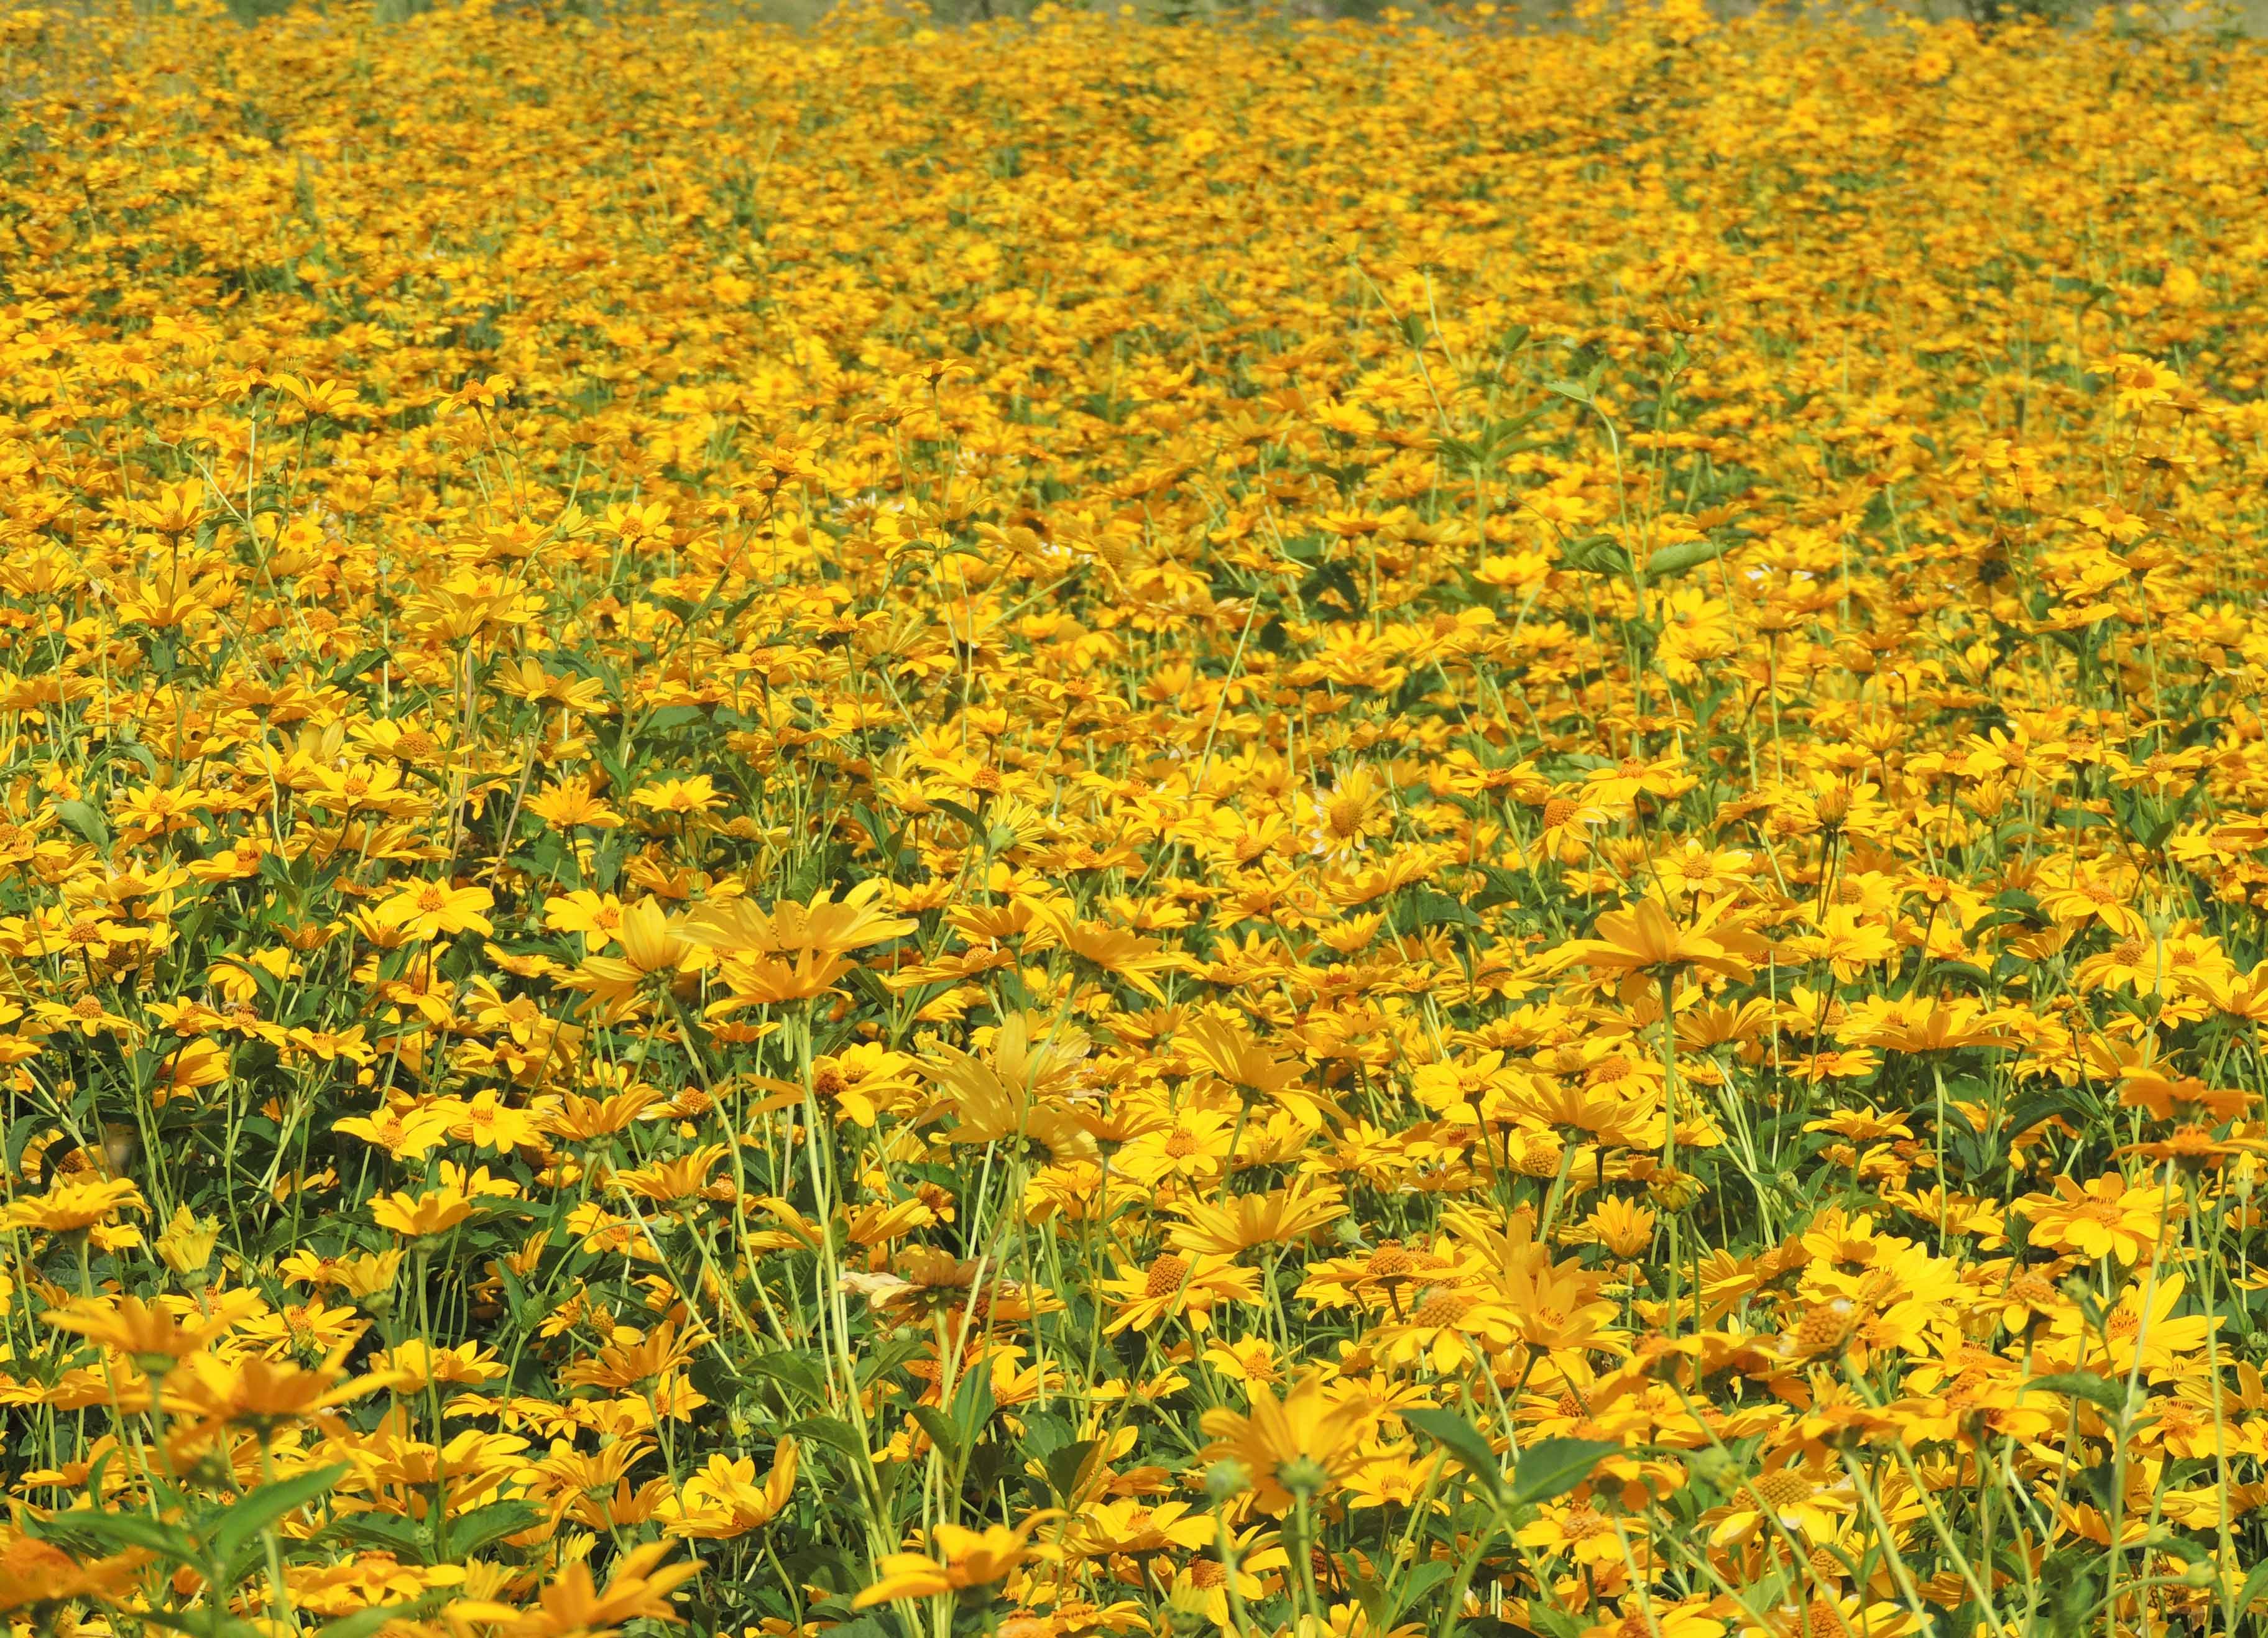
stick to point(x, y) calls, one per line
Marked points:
point(1780, 1489)
point(1387, 1262)
point(1443, 1308)
point(1165, 1275)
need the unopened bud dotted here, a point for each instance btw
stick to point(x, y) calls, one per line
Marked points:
point(1303, 1475)
point(1227, 1478)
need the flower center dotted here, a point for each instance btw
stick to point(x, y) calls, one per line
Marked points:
point(1443, 1308)
point(1165, 1275)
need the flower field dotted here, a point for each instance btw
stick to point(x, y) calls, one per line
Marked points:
point(1084, 827)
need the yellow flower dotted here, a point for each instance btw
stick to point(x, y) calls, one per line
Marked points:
point(823, 928)
point(434, 910)
point(1301, 1445)
point(186, 1246)
point(723, 1499)
point(72, 1203)
point(696, 794)
point(1173, 1286)
point(419, 1217)
point(1645, 942)
point(2104, 1217)
point(151, 1333)
point(572, 1605)
point(1284, 1217)
point(961, 1561)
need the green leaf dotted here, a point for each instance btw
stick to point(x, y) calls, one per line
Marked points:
point(834, 1433)
point(860, 1627)
point(135, 752)
point(2029, 1112)
point(485, 1525)
point(1675, 560)
point(1337, 579)
point(363, 1623)
point(967, 816)
point(86, 820)
point(1063, 1466)
point(2100, 1391)
point(793, 1369)
point(401, 1537)
point(973, 1404)
point(267, 1506)
point(202, 1623)
point(1457, 1435)
point(1412, 1593)
point(1597, 555)
point(1551, 1624)
point(1430, 908)
point(347, 670)
point(1044, 1434)
point(941, 1432)
point(116, 1530)
point(1552, 1467)
point(2164, 1540)
point(2256, 1582)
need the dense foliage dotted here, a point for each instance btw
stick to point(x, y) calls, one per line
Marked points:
point(1082, 828)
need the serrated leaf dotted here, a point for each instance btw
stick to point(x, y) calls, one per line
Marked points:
point(1063, 1466)
point(268, 1505)
point(363, 1623)
point(485, 1525)
point(1597, 555)
point(86, 820)
point(1412, 1593)
point(791, 1369)
point(347, 670)
point(2029, 1112)
point(401, 1537)
point(1429, 908)
point(1044, 1434)
point(1457, 1435)
point(2256, 1582)
point(941, 1431)
point(1552, 1467)
point(2164, 1540)
point(961, 811)
point(859, 1626)
point(125, 1530)
point(834, 1433)
point(2098, 1390)
point(202, 1623)
point(1675, 560)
